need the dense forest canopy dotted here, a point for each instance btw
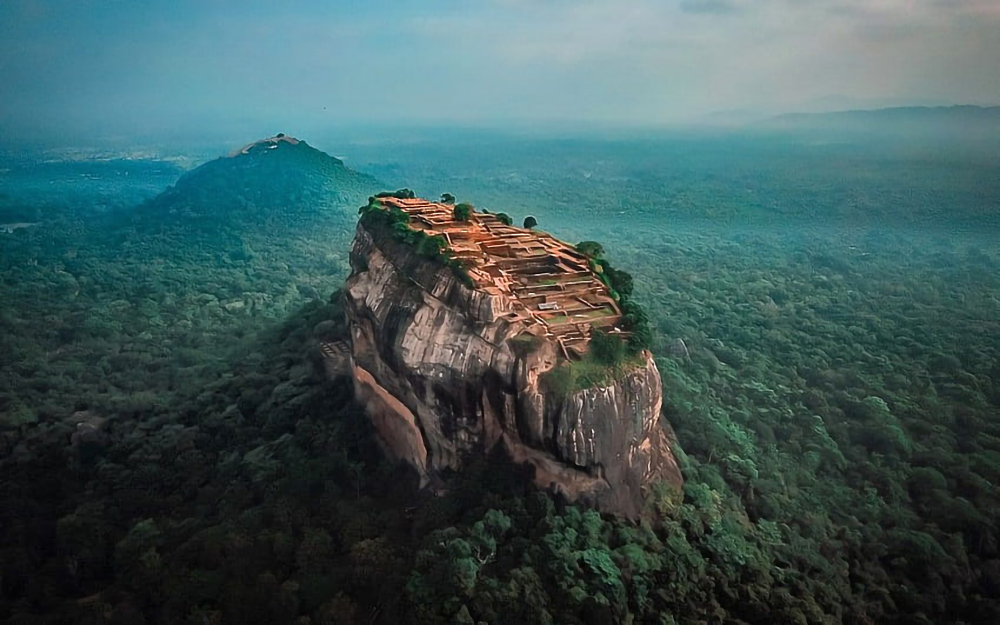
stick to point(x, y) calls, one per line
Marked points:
point(824, 318)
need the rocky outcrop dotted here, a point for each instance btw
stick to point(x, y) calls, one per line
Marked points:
point(445, 374)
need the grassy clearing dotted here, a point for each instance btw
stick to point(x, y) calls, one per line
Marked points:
point(572, 376)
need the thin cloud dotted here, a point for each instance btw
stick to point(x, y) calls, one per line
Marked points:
point(641, 61)
point(710, 7)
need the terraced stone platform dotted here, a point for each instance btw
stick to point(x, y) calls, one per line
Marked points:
point(552, 288)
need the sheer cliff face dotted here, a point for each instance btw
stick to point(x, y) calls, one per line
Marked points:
point(444, 376)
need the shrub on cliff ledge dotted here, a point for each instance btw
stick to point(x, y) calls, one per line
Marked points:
point(431, 247)
point(396, 221)
point(607, 348)
point(593, 249)
point(525, 344)
point(620, 284)
point(603, 365)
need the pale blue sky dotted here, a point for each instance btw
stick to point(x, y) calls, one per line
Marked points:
point(103, 63)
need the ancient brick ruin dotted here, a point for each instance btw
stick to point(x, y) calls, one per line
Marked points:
point(551, 285)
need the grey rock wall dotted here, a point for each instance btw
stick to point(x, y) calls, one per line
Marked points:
point(435, 366)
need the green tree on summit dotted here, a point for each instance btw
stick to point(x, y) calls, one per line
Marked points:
point(462, 212)
point(530, 222)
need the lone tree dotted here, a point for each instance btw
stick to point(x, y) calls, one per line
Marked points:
point(593, 249)
point(462, 212)
point(530, 222)
point(447, 198)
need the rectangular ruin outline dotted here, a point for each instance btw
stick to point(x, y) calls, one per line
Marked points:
point(529, 267)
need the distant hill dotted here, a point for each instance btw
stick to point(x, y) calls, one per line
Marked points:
point(275, 217)
point(960, 122)
point(279, 179)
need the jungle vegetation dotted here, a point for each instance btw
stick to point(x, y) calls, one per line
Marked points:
point(395, 221)
point(824, 317)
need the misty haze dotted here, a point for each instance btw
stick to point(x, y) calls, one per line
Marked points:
point(500, 312)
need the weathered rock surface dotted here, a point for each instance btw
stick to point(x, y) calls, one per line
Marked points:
point(435, 365)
